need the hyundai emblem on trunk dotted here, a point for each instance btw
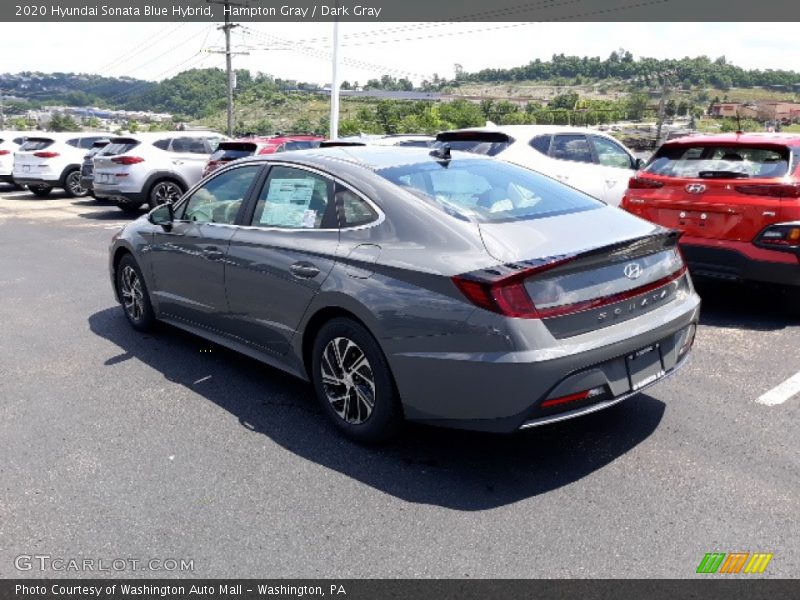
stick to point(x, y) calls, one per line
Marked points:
point(695, 188)
point(633, 271)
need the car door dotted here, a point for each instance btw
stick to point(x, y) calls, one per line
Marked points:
point(575, 164)
point(188, 259)
point(277, 264)
point(617, 167)
point(189, 157)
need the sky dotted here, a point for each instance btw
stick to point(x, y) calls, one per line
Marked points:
point(302, 51)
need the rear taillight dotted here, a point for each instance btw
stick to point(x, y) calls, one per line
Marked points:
point(781, 237)
point(505, 295)
point(641, 183)
point(45, 154)
point(770, 190)
point(127, 160)
point(4, 152)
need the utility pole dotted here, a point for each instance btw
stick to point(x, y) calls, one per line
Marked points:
point(662, 104)
point(226, 28)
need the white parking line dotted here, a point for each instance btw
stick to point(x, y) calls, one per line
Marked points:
point(781, 393)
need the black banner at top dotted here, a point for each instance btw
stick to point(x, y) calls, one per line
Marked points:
point(398, 11)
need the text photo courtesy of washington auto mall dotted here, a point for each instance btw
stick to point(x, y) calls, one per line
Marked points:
point(374, 299)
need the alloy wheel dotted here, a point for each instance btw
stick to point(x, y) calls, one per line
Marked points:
point(348, 380)
point(166, 191)
point(132, 296)
point(73, 184)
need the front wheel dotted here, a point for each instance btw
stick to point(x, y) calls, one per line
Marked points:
point(163, 192)
point(133, 293)
point(353, 382)
point(40, 191)
point(72, 185)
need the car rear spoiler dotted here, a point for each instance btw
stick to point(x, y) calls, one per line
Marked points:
point(242, 146)
point(493, 137)
point(339, 144)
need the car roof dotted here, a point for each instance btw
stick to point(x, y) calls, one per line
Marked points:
point(369, 157)
point(786, 139)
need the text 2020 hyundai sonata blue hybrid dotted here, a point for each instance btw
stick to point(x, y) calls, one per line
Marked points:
point(412, 284)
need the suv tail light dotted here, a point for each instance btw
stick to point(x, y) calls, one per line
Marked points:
point(127, 160)
point(45, 154)
point(780, 237)
point(4, 152)
point(641, 183)
point(772, 190)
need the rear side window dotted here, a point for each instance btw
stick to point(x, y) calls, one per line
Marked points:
point(19, 141)
point(119, 146)
point(353, 210)
point(610, 153)
point(34, 144)
point(162, 144)
point(488, 191)
point(294, 199)
point(187, 145)
point(541, 143)
point(721, 161)
point(88, 142)
point(74, 142)
point(571, 147)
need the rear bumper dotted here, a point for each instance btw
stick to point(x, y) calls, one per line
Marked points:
point(7, 178)
point(117, 195)
point(35, 181)
point(740, 261)
point(505, 392)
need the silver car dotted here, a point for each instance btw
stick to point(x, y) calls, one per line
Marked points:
point(405, 283)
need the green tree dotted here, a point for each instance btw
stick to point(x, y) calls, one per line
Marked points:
point(59, 122)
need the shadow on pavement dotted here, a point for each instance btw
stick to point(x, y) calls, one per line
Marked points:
point(458, 470)
point(739, 306)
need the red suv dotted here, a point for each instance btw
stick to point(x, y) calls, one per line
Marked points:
point(228, 151)
point(735, 197)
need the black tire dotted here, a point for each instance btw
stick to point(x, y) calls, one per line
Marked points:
point(72, 184)
point(791, 302)
point(129, 208)
point(344, 394)
point(40, 191)
point(133, 294)
point(166, 190)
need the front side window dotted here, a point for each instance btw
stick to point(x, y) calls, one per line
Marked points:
point(294, 199)
point(571, 147)
point(219, 200)
point(611, 154)
point(488, 191)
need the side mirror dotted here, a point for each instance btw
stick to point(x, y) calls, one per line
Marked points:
point(163, 215)
point(639, 163)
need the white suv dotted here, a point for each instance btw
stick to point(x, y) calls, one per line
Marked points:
point(53, 160)
point(155, 167)
point(583, 158)
point(10, 141)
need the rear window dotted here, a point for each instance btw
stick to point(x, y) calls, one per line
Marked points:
point(298, 145)
point(488, 143)
point(721, 161)
point(119, 146)
point(488, 191)
point(34, 144)
point(231, 151)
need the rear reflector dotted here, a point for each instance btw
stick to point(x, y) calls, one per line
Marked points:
point(45, 154)
point(777, 190)
point(127, 160)
point(640, 183)
point(780, 235)
point(593, 393)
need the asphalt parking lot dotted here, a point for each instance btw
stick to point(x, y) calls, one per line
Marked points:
point(122, 445)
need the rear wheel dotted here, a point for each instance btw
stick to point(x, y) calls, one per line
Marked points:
point(353, 382)
point(791, 301)
point(133, 293)
point(163, 192)
point(72, 185)
point(40, 191)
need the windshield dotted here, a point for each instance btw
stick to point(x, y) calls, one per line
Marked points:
point(733, 161)
point(489, 191)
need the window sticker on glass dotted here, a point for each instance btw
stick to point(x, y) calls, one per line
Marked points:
point(287, 203)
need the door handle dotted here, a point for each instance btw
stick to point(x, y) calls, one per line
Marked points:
point(213, 253)
point(304, 270)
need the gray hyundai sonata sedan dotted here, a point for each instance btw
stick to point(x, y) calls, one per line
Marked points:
point(404, 283)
